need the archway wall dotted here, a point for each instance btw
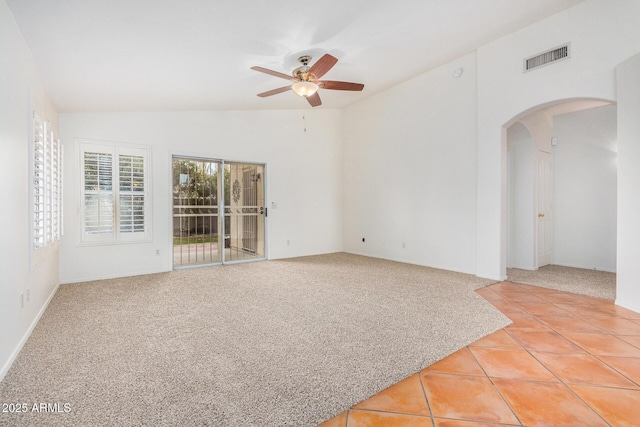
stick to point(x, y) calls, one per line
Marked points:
point(602, 35)
point(585, 188)
point(521, 200)
point(628, 280)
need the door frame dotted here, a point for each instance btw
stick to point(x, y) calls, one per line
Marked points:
point(221, 207)
point(266, 216)
point(589, 102)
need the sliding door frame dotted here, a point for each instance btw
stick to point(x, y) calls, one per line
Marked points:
point(221, 208)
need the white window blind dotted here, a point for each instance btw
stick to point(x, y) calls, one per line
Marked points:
point(98, 192)
point(131, 193)
point(39, 185)
point(115, 194)
point(56, 187)
point(46, 183)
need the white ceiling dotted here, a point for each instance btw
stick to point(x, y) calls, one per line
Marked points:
point(149, 55)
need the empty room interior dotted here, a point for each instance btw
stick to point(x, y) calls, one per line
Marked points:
point(421, 194)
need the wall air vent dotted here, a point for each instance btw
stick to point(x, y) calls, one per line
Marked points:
point(546, 58)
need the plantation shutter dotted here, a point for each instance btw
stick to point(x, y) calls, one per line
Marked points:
point(39, 183)
point(98, 193)
point(46, 188)
point(48, 177)
point(114, 193)
point(55, 188)
point(132, 190)
point(58, 210)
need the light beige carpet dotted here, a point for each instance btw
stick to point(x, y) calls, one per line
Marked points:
point(276, 343)
point(594, 283)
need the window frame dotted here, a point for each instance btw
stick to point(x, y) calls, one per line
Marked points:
point(116, 235)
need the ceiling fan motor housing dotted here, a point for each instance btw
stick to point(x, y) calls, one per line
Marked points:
point(301, 73)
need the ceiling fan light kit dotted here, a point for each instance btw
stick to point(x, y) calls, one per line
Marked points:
point(306, 79)
point(305, 88)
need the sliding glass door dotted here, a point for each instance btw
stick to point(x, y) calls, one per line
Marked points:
point(244, 211)
point(203, 189)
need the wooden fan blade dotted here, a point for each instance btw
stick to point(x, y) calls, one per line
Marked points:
point(329, 84)
point(314, 100)
point(274, 91)
point(273, 73)
point(323, 65)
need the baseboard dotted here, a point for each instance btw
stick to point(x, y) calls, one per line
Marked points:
point(110, 276)
point(404, 261)
point(496, 278)
point(586, 268)
point(632, 307)
point(26, 335)
point(515, 267)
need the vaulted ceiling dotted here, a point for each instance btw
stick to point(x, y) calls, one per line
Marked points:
point(149, 55)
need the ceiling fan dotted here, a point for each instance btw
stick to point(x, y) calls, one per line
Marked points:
point(306, 79)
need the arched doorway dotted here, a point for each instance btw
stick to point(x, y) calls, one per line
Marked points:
point(578, 226)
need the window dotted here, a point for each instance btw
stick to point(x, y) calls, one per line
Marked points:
point(46, 187)
point(39, 183)
point(115, 193)
point(131, 174)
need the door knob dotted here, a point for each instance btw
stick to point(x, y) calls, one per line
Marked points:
point(540, 215)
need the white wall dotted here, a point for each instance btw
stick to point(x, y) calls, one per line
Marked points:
point(628, 289)
point(424, 162)
point(20, 86)
point(584, 183)
point(602, 35)
point(304, 173)
point(520, 152)
point(410, 171)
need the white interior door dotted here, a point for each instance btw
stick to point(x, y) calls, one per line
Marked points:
point(544, 214)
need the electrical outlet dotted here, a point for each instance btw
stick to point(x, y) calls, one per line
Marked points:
point(157, 252)
point(288, 243)
point(404, 245)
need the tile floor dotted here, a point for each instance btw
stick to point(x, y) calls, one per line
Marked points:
point(567, 360)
